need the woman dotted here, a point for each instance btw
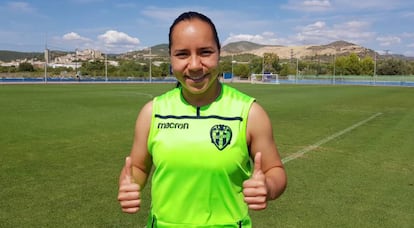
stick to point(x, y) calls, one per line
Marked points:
point(201, 138)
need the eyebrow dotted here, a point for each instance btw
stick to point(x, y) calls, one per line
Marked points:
point(201, 48)
point(179, 50)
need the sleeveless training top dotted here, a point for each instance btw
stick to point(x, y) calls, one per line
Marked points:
point(201, 159)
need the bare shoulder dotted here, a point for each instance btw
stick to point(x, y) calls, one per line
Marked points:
point(258, 118)
point(143, 124)
point(257, 110)
point(145, 114)
point(146, 110)
point(260, 136)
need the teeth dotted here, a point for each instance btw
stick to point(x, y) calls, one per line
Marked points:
point(196, 78)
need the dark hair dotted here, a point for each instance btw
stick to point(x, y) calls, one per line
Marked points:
point(189, 16)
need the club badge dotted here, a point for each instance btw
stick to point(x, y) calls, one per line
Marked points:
point(220, 136)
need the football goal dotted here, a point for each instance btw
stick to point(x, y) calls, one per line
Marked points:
point(265, 78)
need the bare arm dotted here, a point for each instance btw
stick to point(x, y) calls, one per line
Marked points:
point(140, 157)
point(269, 179)
point(137, 166)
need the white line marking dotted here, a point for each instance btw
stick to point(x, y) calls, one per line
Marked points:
point(327, 139)
point(146, 94)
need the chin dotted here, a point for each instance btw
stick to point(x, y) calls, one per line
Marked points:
point(196, 89)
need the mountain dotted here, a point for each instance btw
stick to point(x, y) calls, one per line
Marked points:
point(7, 56)
point(284, 52)
point(242, 46)
point(338, 48)
point(160, 50)
point(287, 52)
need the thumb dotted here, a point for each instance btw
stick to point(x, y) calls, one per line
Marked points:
point(257, 163)
point(128, 170)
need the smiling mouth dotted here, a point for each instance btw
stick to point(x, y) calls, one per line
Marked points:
point(197, 78)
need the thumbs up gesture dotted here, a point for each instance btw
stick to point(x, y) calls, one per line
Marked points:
point(254, 189)
point(129, 192)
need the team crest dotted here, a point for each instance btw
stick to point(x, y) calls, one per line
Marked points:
point(220, 136)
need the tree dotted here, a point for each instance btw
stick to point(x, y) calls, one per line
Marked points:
point(367, 66)
point(271, 63)
point(287, 69)
point(255, 65)
point(25, 67)
point(340, 64)
point(225, 65)
point(392, 66)
point(93, 68)
point(352, 65)
point(165, 69)
point(132, 68)
point(241, 70)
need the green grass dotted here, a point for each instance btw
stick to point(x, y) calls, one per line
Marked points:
point(62, 147)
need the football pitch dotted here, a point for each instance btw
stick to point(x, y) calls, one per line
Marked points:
point(348, 152)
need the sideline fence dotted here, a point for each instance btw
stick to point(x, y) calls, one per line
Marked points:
point(404, 80)
point(399, 80)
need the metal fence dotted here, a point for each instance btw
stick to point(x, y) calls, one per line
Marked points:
point(404, 80)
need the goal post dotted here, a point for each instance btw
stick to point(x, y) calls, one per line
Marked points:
point(268, 78)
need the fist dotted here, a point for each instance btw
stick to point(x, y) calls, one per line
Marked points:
point(129, 192)
point(254, 189)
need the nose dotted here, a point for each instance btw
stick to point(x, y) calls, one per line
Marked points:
point(195, 63)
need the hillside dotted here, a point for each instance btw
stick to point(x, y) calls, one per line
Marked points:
point(240, 47)
point(7, 56)
point(157, 50)
point(286, 52)
point(243, 47)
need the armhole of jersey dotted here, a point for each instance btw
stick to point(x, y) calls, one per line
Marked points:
point(246, 117)
point(151, 130)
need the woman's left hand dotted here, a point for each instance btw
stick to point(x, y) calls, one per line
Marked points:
point(254, 189)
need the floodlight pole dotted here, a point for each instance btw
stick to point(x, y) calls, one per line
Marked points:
point(45, 72)
point(106, 68)
point(46, 62)
point(76, 62)
point(297, 68)
point(232, 67)
point(150, 65)
point(375, 67)
point(263, 64)
point(334, 67)
point(46, 59)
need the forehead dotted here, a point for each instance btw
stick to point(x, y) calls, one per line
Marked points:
point(194, 30)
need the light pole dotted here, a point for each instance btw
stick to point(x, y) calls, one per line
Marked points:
point(46, 62)
point(334, 67)
point(232, 67)
point(263, 64)
point(76, 63)
point(296, 55)
point(375, 64)
point(106, 67)
point(150, 65)
point(297, 68)
point(46, 59)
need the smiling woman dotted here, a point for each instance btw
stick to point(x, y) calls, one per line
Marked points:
point(194, 59)
point(201, 137)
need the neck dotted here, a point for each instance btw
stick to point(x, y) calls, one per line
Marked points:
point(206, 98)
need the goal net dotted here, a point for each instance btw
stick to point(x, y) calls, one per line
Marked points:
point(264, 78)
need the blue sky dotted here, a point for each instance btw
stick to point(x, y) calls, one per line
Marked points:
point(125, 25)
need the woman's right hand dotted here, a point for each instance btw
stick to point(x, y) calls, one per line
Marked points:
point(129, 193)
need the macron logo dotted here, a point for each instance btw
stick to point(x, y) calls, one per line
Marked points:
point(172, 125)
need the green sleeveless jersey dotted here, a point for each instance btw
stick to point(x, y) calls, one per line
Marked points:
point(201, 159)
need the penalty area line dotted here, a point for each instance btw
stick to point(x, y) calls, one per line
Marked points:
point(327, 139)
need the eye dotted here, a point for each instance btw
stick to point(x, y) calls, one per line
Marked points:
point(181, 54)
point(206, 52)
